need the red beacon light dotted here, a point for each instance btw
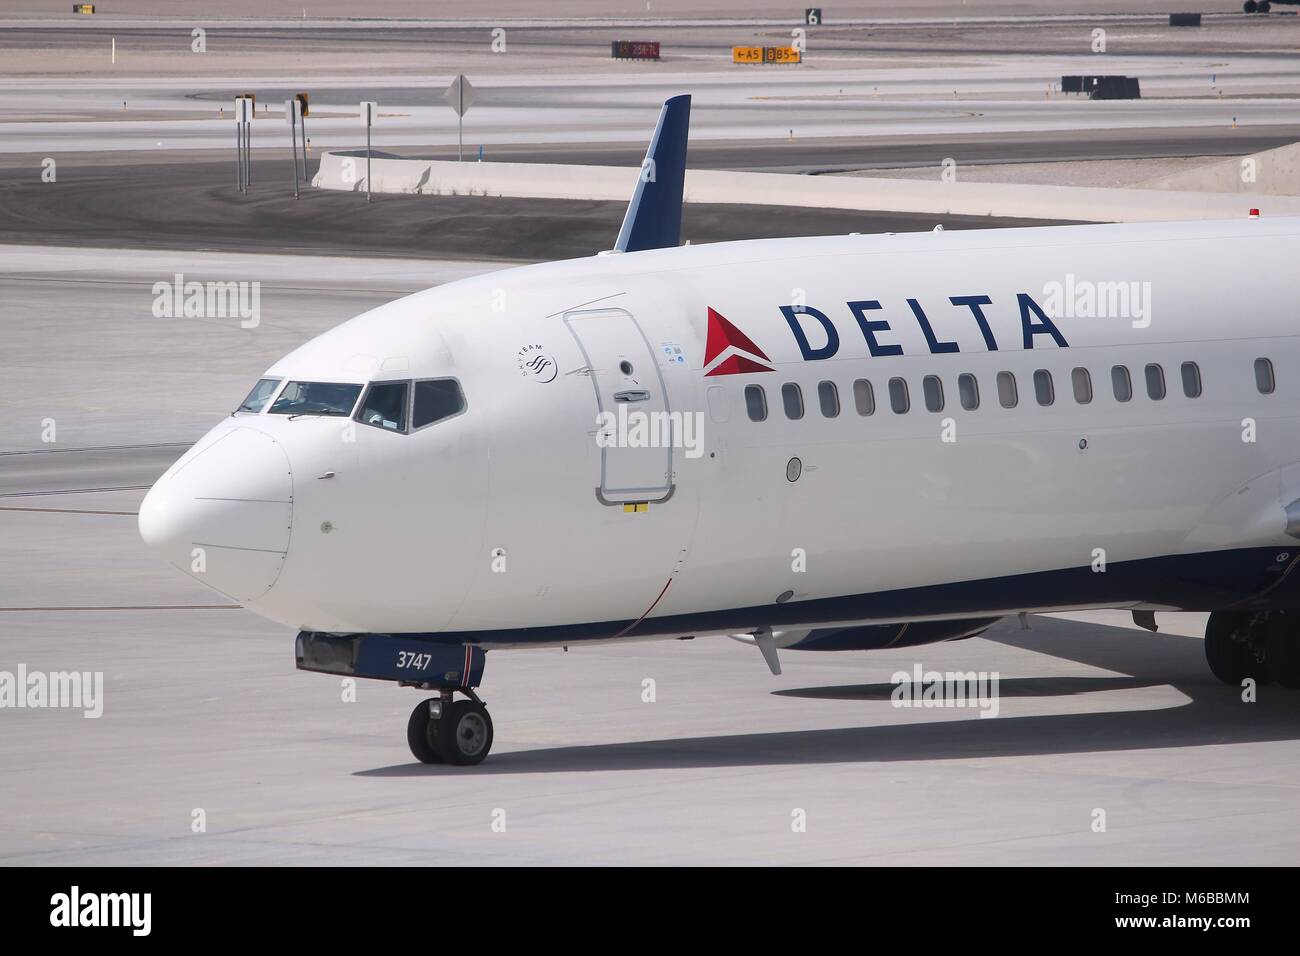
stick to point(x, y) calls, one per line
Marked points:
point(1254, 214)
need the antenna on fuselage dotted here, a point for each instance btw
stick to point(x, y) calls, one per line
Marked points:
point(654, 216)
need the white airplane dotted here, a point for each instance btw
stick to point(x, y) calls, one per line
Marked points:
point(836, 443)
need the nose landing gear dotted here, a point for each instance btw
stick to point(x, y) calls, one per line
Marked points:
point(443, 730)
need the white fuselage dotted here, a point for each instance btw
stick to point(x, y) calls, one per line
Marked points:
point(510, 521)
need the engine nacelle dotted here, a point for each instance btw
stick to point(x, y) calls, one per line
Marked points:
point(870, 637)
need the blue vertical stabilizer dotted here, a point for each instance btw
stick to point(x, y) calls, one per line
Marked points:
point(654, 216)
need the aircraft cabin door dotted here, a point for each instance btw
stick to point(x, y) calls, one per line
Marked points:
point(636, 461)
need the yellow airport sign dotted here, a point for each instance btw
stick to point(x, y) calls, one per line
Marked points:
point(765, 54)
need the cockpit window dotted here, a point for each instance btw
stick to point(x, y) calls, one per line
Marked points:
point(259, 396)
point(385, 406)
point(316, 398)
point(436, 399)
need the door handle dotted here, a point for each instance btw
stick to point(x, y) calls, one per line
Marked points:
point(632, 395)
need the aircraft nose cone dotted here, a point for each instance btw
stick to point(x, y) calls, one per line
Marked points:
point(223, 513)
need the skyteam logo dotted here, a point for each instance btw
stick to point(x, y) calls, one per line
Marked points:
point(729, 351)
point(536, 364)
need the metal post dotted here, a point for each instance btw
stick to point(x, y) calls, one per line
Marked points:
point(248, 148)
point(293, 137)
point(303, 121)
point(367, 156)
point(239, 153)
point(459, 95)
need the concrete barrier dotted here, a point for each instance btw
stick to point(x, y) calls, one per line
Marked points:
point(346, 170)
point(1274, 172)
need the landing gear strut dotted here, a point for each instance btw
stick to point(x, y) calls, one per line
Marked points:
point(1283, 642)
point(444, 730)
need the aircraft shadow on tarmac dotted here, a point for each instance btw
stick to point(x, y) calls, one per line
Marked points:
point(1214, 714)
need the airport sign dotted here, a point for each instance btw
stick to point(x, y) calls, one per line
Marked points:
point(460, 95)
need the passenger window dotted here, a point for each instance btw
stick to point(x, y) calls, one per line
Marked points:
point(1264, 376)
point(1155, 382)
point(1007, 395)
point(756, 403)
point(828, 396)
point(899, 400)
point(385, 406)
point(1121, 383)
point(932, 388)
point(864, 397)
point(259, 396)
point(1082, 383)
point(792, 398)
point(316, 398)
point(1191, 380)
point(436, 399)
point(1043, 390)
point(968, 390)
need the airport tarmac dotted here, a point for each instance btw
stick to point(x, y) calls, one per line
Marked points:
point(196, 206)
point(203, 709)
point(619, 10)
point(66, 88)
point(1008, 98)
point(204, 713)
point(542, 41)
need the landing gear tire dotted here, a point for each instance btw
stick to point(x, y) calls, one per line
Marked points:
point(1284, 648)
point(1232, 651)
point(463, 734)
point(1250, 6)
point(1263, 6)
point(420, 734)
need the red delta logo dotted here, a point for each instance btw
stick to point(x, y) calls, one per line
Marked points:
point(730, 351)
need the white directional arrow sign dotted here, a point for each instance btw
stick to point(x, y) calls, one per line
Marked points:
point(459, 97)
